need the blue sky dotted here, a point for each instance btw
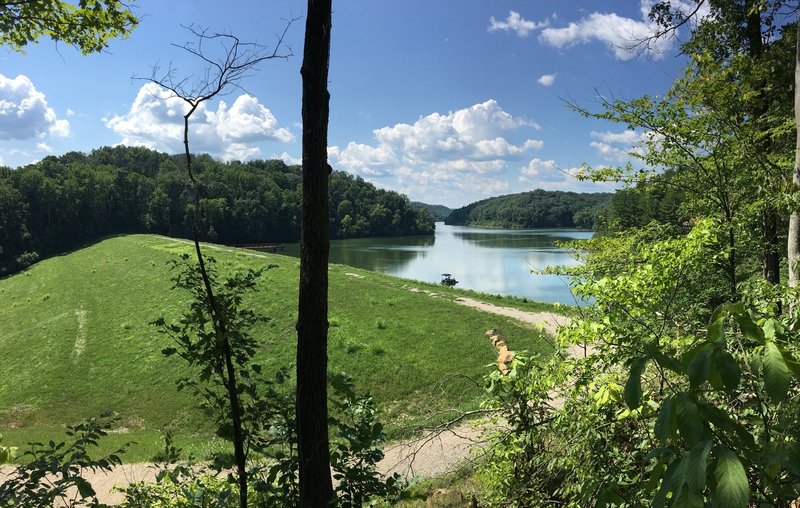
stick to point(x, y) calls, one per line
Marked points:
point(445, 101)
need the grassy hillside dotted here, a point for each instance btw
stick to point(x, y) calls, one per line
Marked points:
point(75, 340)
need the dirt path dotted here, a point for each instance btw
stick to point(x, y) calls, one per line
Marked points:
point(431, 455)
point(549, 321)
point(427, 456)
point(103, 483)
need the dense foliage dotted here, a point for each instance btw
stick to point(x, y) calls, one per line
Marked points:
point(678, 403)
point(535, 209)
point(659, 200)
point(63, 202)
point(680, 385)
point(88, 25)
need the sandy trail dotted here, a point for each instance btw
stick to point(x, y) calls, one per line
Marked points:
point(426, 456)
point(549, 321)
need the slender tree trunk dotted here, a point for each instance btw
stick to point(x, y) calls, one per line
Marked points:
point(732, 262)
point(316, 488)
point(794, 218)
point(772, 260)
point(221, 328)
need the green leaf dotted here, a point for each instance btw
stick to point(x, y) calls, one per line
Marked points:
point(727, 367)
point(731, 487)
point(674, 481)
point(633, 388)
point(665, 361)
point(749, 328)
point(776, 372)
point(770, 328)
point(716, 329)
point(689, 423)
point(696, 465)
point(699, 366)
point(723, 421)
point(655, 477)
point(688, 499)
point(735, 309)
point(791, 362)
point(666, 426)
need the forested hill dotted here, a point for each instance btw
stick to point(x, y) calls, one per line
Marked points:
point(67, 201)
point(535, 209)
point(438, 212)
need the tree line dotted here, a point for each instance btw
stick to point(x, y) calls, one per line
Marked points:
point(63, 202)
point(535, 209)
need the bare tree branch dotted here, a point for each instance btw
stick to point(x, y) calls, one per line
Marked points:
point(671, 20)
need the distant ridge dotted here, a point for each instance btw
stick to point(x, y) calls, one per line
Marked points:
point(534, 209)
point(438, 212)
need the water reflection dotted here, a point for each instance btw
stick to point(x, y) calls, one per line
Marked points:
point(513, 239)
point(492, 261)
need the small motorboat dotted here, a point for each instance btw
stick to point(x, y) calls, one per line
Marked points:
point(448, 280)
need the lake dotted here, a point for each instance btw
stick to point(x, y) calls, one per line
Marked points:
point(497, 261)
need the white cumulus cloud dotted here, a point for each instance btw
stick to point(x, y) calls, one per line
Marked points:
point(546, 79)
point(465, 150)
point(538, 167)
point(628, 136)
point(24, 112)
point(621, 34)
point(548, 175)
point(515, 23)
point(288, 159)
point(619, 146)
point(155, 120)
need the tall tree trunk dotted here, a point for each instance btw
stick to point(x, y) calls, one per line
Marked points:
point(794, 218)
point(771, 251)
point(316, 487)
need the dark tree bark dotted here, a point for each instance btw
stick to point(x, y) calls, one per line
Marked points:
point(316, 488)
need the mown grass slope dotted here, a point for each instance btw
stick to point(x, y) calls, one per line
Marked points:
point(76, 340)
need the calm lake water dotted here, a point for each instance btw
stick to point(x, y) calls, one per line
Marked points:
point(497, 261)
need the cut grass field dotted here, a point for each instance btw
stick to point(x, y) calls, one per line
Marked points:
point(76, 341)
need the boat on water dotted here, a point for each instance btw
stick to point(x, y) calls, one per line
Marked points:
point(448, 280)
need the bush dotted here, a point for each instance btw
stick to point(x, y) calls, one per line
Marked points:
point(678, 405)
point(51, 472)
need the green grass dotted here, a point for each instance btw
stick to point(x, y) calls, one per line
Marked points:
point(76, 341)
